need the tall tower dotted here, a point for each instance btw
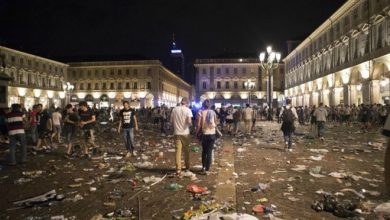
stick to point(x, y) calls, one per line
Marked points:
point(177, 59)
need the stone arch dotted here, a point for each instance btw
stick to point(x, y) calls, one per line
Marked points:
point(88, 98)
point(378, 70)
point(355, 77)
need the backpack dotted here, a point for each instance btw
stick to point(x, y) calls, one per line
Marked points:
point(287, 115)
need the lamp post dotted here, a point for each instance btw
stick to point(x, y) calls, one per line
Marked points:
point(249, 85)
point(269, 61)
point(68, 88)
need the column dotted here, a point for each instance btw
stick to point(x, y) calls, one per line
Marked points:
point(336, 97)
point(325, 97)
point(375, 91)
point(331, 97)
point(366, 92)
point(353, 95)
point(346, 94)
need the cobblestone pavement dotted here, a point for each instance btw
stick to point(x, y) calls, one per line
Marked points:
point(247, 171)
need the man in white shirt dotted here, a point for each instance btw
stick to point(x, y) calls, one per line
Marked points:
point(181, 120)
point(56, 118)
point(247, 115)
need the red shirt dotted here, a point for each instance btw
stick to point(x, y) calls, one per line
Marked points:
point(33, 118)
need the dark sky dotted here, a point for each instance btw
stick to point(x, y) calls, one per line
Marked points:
point(203, 28)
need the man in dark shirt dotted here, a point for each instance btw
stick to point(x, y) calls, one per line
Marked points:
point(87, 122)
point(44, 127)
point(128, 122)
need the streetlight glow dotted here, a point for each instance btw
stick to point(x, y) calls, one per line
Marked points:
point(269, 49)
point(262, 56)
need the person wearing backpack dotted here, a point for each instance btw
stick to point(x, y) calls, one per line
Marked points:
point(288, 114)
point(320, 113)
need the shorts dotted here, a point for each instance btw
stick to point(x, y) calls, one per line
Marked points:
point(88, 136)
point(57, 129)
point(69, 134)
point(229, 121)
point(43, 133)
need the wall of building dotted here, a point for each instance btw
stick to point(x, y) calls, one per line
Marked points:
point(344, 61)
point(144, 83)
point(34, 79)
point(222, 80)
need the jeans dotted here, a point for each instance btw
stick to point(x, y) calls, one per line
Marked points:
point(128, 135)
point(288, 139)
point(182, 144)
point(207, 146)
point(321, 128)
point(34, 133)
point(13, 140)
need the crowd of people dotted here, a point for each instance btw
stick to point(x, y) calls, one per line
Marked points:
point(54, 126)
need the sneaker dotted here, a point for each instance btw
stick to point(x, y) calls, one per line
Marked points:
point(322, 138)
point(203, 172)
point(179, 174)
point(128, 155)
point(134, 153)
point(289, 149)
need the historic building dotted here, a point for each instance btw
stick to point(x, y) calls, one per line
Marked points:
point(224, 81)
point(177, 60)
point(346, 60)
point(144, 83)
point(34, 79)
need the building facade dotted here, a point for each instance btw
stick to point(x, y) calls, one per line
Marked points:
point(346, 60)
point(144, 83)
point(223, 81)
point(34, 79)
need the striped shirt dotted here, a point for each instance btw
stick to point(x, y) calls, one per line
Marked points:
point(15, 123)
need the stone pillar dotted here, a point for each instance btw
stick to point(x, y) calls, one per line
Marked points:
point(311, 97)
point(366, 92)
point(332, 97)
point(336, 95)
point(375, 91)
point(346, 94)
point(325, 97)
point(352, 95)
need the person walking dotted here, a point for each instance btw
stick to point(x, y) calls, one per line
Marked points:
point(87, 122)
point(70, 122)
point(57, 120)
point(321, 114)
point(15, 124)
point(181, 120)
point(247, 115)
point(288, 115)
point(206, 125)
point(128, 123)
point(33, 124)
point(44, 127)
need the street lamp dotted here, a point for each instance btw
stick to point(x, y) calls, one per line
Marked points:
point(68, 88)
point(269, 61)
point(249, 85)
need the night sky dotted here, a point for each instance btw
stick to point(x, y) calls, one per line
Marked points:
point(70, 29)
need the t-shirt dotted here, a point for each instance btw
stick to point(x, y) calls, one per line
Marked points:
point(179, 116)
point(248, 113)
point(229, 114)
point(87, 116)
point(127, 117)
point(56, 117)
point(33, 120)
point(15, 123)
point(72, 117)
point(42, 119)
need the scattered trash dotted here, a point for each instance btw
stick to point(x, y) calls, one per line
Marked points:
point(192, 188)
point(151, 179)
point(145, 164)
point(39, 200)
point(258, 209)
point(344, 209)
point(260, 187)
point(127, 167)
point(33, 174)
point(22, 180)
point(173, 186)
point(239, 150)
point(195, 149)
point(316, 158)
point(299, 167)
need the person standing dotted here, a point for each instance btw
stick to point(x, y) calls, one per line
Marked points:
point(44, 127)
point(181, 120)
point(15, 124)
point(288, 115)
point(57, 119)
point(128, 122)
point(206, 124)
point(321, 114)
point(87, 121)
point(33, 124)
point(247, 115)
point(70, 121)
point(229, 119)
